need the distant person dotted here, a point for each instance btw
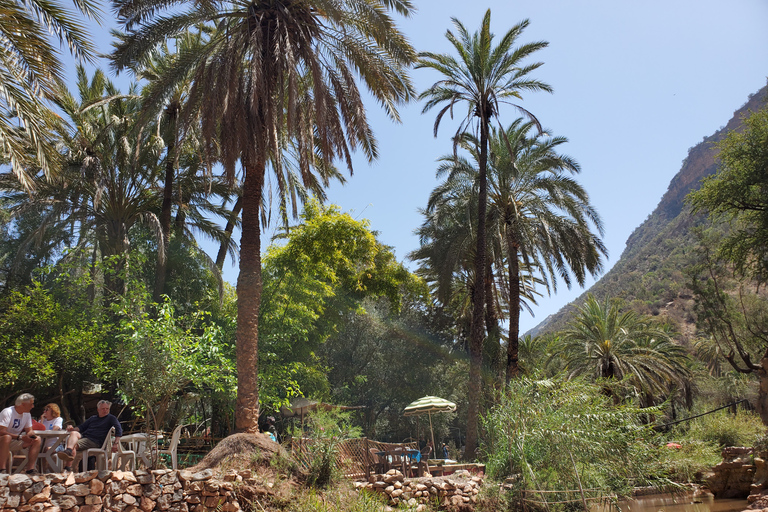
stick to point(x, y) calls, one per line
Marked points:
point(16, 433)
point(444, 449)
point(91, 433)
point(51, 420)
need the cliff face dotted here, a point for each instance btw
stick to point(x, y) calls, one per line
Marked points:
point(649, 275)
point(700, 162)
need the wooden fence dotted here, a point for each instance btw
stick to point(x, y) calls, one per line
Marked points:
point(353, 458)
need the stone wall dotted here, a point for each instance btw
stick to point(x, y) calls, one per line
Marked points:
point(117, 491)
point(733, 477)
point(457, 491)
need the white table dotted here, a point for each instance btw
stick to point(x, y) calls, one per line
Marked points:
point(141, 444)
point(47, 457)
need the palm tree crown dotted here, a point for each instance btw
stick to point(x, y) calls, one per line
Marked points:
point(30, 71)
point(604, 343)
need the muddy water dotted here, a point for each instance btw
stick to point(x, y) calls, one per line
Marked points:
point(680, 503)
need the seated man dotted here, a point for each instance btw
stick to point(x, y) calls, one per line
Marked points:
point(91, 434)
point(15, 432)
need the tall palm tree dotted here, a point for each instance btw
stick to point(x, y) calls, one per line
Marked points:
point(542, 216)
point(30, 71)
point(483, 78)
point(447, 243)
point(604, 343)
point(272, 71)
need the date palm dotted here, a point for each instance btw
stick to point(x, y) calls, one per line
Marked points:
point(110, 183)
point(271, 71)
point(30, 71)
point(604, 343)
point(482, 79)
point(542, 216)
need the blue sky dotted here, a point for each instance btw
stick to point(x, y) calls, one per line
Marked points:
point(636, 84)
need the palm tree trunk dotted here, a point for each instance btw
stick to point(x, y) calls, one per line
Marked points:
point(161, 268)
point(513, 369)
point(492, 351)
point(249, 287)
point(221, 256)
point(478, 301)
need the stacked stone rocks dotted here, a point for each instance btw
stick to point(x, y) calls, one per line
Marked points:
point(456, 491)
point(733, 477)
point(117, 491)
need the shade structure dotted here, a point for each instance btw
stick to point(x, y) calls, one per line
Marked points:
point(429, 405)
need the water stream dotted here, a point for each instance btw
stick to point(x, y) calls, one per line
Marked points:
point(681, 503)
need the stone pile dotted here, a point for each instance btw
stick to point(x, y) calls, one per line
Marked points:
point(117, 491)
point(733, 477)
point(459, 490)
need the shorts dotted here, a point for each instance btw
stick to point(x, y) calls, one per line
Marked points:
point(86, 444)
point(16, 445)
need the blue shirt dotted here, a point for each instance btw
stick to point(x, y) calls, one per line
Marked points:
point(96, 428)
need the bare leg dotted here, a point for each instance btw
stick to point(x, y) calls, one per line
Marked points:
point(5, 445)
point(34, 450)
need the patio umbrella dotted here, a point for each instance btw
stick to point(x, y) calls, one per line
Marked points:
point(428, 405)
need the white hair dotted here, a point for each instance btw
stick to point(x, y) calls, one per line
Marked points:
point(24, 398)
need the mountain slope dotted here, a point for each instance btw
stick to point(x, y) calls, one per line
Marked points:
point(649, 275)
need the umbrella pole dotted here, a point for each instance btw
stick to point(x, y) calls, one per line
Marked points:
point(432, 431)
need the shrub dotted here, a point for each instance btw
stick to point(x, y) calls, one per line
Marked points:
point(327, 429)
point(727, 429)
point(558, 435)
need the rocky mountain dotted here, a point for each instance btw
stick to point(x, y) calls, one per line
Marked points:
point(649, 275)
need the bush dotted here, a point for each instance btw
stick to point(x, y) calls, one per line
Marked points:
point(327, 430)
point(558, 435)
point(724, 428)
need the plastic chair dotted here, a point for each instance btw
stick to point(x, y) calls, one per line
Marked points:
point(173, 447)
point(101, 454)
point(124, 457)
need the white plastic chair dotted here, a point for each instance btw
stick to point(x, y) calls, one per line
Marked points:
point(123, 459)
point(102, 454)
point(172, 448)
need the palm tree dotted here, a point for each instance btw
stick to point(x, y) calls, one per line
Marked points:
point(484, 77)
point(603, 343)
point(110, 182)
point(446, 254)
point(30, 71)
point(542, 216)
point(273, 71)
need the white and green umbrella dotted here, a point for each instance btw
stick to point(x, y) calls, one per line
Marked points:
point(428, 405)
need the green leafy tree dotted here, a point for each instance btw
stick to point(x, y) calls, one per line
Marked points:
point(483, 78)
point(326, 267)
point(48, 349)
point(737, 193)
point(272, 72)
point(158, 359)
point(732, 268)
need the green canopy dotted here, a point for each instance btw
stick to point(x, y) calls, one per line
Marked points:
point(428, 405)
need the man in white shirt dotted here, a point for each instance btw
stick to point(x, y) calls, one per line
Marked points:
point(16, 432)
